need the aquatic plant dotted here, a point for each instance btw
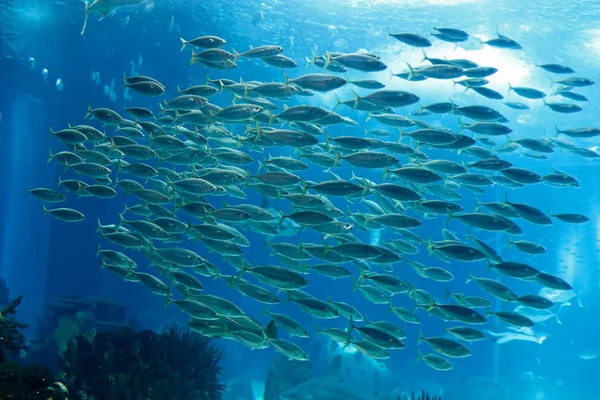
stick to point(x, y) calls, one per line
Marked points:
point(12, 340)
point(424, 396)
point(128, 364)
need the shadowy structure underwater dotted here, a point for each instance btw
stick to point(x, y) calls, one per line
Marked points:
point(4, 294)
point(133, 365)
point(70, 316)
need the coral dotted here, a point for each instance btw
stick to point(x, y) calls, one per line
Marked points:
point(134, 365)
point(29, 383)
point(13, 341)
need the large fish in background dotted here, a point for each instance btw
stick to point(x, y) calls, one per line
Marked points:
point(107, 8)
point(476, 389)
point(329, 386)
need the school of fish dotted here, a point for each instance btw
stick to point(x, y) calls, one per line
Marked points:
point(191, 166)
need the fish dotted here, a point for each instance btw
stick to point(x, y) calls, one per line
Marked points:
point(360, 193)
point(327, 386)
point(522, 334)
point(205, 42)
point(108, 8)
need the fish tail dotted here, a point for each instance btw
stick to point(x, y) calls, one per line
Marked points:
point(461, 125)
point(419, 337)
point(448, 294)
point(411, 71)
point(85, 16)
point(328, 59)
point(361, 277)
point(183, 43)
point(308, 62)
point(168, 300)
point(265, 311)
point(192, 58)
point(99, 229)
point(355, 286)
point(337, 102)
point(419, 356)
point(258, 132)
point(121, 219)
point(558, 321)
point(283, 217)
point(88, 112)
point(470, 277)
point(356, 99)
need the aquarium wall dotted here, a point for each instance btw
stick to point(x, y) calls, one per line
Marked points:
point(367, 199)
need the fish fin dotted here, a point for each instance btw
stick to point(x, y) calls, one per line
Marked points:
point(334, 367)
point(271, 330)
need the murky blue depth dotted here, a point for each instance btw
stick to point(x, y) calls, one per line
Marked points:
point(50, 73)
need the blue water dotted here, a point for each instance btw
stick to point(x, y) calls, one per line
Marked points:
point(43, 259)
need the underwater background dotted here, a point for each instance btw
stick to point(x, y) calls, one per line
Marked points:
point(45, 259)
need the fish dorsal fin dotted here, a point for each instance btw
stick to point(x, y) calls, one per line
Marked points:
point(271, 330)
point(334, 368)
